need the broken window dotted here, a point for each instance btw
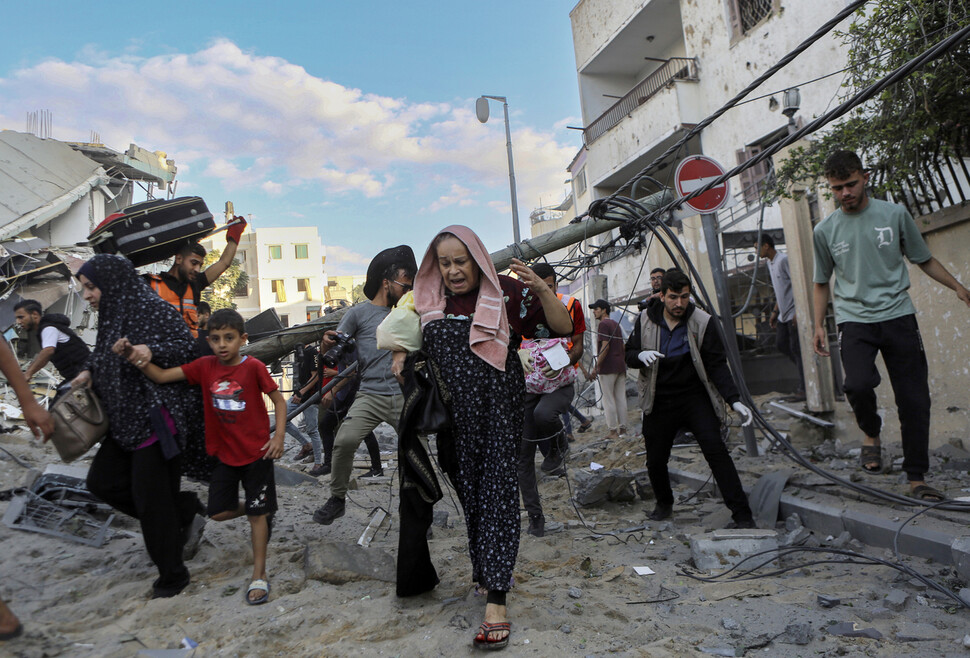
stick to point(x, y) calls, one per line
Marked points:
point(747, 14)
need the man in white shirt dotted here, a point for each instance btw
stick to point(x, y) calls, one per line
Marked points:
point(58, 343)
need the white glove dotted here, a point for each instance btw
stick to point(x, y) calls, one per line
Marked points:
point(649, 357)
point(744, 412)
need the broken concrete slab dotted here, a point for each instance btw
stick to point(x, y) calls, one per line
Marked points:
point(765, 496)
point(337, 564)
point(726, 548)
point(596, 487)
point(286, 477)
point(895, 600)
point(800, 634)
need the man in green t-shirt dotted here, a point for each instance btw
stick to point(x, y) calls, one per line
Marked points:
point(863, 243)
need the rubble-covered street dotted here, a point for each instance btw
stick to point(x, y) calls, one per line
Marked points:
point(581, 591)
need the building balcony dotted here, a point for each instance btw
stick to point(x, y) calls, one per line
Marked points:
point(673, 69)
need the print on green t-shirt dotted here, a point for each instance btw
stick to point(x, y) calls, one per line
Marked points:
point(865, 251)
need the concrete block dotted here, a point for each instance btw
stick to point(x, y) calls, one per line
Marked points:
point(339, 563)
point(595, 487)
point(286, 477)
point(896, 600)
point(960, 556)
point(921, 540)
point(825, 519)
point(721, 550)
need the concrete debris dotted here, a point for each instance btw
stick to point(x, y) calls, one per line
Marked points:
point(852, 629)
point(719, 651)
point(286, 477)
point(723, 549)
point(800, 634)
point(566, 628)
point(896, 600)
point(459, 621)
point(593, 488)
point(793, 522)
point(730, 624)
point(575, 593)
point(339, 563)
point(796, 537)
point(828, 601)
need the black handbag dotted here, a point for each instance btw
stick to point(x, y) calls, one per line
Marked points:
point(433, 411)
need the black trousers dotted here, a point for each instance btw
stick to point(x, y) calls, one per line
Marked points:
point(901, 346)
point(329, 420)
point(542, 423)
point(145, 486)
point(695, 413)
point(786, 340)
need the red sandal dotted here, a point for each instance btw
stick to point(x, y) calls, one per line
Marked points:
point(482, 640)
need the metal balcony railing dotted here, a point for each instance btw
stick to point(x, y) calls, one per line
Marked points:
point(675, 68)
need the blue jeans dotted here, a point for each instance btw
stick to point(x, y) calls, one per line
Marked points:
point(310, 434)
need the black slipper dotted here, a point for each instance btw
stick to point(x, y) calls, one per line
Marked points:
point(928, 493)
point(871, 455)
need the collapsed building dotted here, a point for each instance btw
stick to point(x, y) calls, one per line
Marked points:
point(52, 195)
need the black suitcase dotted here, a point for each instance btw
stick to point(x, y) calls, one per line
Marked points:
point(152, 231)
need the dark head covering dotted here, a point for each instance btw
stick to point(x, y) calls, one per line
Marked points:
point(601, 303)
point(129, 308)
point(402, 256)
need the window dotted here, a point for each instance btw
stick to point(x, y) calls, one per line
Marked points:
point(285, 320)
point(303, 285)
point(302, 251)
point(312, 313)
point(747, 14)
point(279, 289)
point(241, 290)
point(241, 255)
point(276, 252)
point(331, 284)
point(753, 178)
point(581, 182)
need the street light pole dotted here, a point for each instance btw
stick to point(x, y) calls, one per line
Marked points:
point(481, 110)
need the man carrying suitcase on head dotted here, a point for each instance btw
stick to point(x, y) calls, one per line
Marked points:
point(183, 284)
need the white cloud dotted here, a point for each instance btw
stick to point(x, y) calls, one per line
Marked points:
point(341, 260)
point(458, 196)
point(252, 120)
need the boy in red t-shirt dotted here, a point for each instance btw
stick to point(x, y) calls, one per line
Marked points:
point(236, 431)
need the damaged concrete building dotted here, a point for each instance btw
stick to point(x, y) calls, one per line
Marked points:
point(52, 194)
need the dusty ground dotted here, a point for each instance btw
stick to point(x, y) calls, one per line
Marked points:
point(80, 601)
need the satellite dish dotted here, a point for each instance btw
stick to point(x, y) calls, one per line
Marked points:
point(481, 109)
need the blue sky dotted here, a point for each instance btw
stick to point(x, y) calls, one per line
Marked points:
point(354, 117)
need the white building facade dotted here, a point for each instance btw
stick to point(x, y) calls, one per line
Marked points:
point(286, 272)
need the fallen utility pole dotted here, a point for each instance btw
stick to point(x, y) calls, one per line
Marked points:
point(280, 344)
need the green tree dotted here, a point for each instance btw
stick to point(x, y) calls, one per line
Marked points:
point(221, 292)
point(912, 123)
point(357, 294)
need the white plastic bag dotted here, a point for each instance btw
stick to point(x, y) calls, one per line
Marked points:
point(400, 331)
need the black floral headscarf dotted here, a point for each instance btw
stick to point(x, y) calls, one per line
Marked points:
point(130, 308)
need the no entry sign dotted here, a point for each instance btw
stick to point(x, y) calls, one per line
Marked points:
point(693, 173)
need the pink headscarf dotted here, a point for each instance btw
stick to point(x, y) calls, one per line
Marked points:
point(489, 336)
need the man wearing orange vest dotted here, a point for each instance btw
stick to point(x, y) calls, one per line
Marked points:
point(183, 284)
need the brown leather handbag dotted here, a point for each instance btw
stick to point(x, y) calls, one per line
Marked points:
point(79, 422)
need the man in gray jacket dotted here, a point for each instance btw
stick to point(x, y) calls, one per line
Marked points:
point(389, 277)
point(684, 381)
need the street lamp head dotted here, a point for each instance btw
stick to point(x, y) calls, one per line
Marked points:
point(791, 103)
point(481, 109)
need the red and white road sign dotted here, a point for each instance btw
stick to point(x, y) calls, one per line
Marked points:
point(693, 173)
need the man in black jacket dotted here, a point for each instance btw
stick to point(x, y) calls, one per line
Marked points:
point(684, 380)
point(59, 344)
